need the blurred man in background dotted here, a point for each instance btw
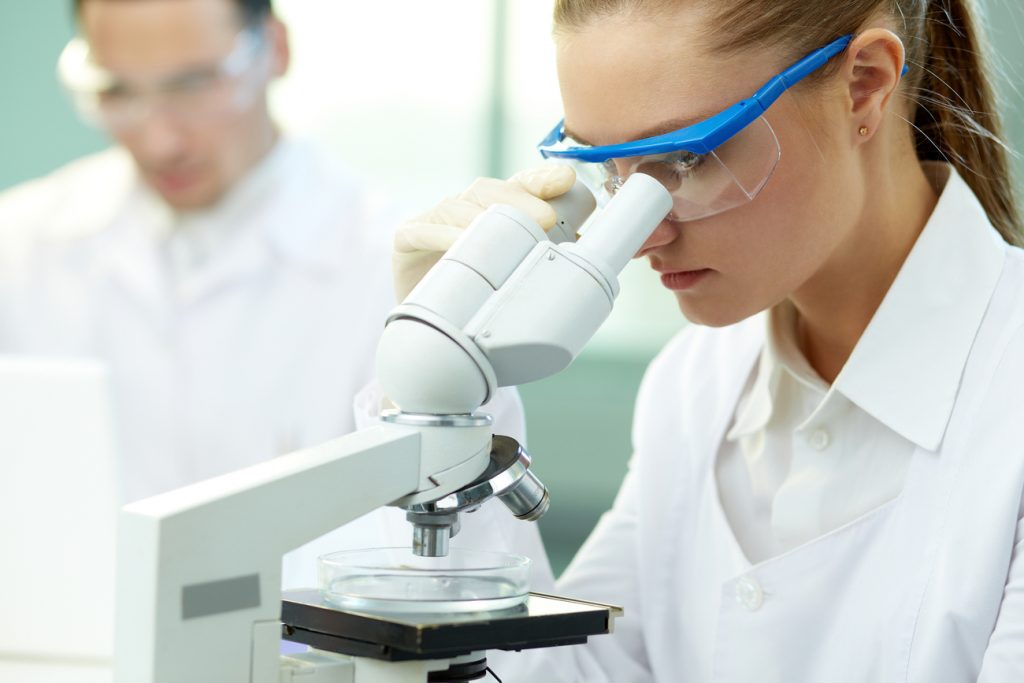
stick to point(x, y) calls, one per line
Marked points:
point(234, 280)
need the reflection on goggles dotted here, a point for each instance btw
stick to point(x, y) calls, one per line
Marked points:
point(102, 97)
point(702, 185)
point(192, 98)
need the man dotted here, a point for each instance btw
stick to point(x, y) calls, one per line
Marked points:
point(234, 280)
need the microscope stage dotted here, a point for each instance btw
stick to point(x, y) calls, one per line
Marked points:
point(543, 621)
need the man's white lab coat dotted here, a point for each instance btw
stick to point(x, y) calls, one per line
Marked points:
point(233, 335)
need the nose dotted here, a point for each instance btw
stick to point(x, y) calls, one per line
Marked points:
point(666, 233)
point(158, 137)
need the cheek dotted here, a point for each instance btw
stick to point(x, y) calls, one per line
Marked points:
point(130, 140)
point(228, 141)
point(801, 205)
point(767, 249)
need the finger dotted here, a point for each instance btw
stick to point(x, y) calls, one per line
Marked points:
point(546, 181)
point(453, 211)
point(408, 268)
point(489, 191)
point(412, 237)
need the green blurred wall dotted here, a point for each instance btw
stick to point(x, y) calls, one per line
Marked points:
point(38, 130)
point(579, 436)
point(1006, 28)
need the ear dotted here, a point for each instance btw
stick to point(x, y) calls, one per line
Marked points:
point(872, 71)
point(280, 48)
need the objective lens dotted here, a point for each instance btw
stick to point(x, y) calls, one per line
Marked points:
point(528, 499)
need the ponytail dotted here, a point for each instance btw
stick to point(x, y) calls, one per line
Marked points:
point(957, 119)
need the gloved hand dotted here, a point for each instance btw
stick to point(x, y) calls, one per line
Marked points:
point(420, 242)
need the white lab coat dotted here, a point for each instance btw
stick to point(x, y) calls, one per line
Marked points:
point(246, 339)
point(927, 587)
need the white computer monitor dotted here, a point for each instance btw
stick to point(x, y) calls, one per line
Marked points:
point(58, 508)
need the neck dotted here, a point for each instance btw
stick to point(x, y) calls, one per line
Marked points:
point(837, 303)
point(267, 140)
point(260, 143)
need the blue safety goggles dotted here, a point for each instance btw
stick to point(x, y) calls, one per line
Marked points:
point(709, 167)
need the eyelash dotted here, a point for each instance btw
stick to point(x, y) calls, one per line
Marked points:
point(689, 161)
point(682, 164)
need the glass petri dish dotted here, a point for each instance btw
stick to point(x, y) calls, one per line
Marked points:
point(394, 580)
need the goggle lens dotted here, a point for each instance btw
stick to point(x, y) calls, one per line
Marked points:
point(702, 185)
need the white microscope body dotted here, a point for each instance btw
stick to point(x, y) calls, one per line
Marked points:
point(199, 568)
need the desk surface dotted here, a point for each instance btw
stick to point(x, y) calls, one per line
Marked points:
point(23, 672)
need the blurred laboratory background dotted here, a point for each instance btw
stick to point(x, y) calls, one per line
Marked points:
point(419, 99)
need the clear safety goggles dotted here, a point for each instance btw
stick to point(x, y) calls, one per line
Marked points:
point(709, 167)
point(103, 98)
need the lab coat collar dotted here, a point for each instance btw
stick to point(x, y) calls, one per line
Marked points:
point(292, 206)
point(905, 370)
point(756, 408)
point(297, 202)
point(153, 251)
point(780, 354)
point(319, 210)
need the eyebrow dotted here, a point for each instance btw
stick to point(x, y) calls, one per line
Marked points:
point(660, 129)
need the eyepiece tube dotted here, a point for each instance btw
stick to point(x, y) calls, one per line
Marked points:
point(618, 232)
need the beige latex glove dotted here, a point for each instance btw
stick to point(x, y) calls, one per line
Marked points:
point(420, 242)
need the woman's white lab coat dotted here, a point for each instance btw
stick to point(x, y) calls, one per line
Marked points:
point(232, 336)
point(928, 587)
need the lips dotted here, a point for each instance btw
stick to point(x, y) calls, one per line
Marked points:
point(174, 178)
point(175, 181)
point(684, 279)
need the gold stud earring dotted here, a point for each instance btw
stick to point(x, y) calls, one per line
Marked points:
point(864, 131)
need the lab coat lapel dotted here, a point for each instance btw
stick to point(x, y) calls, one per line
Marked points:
point(227, 242)
point(692, 518)
point(128, 252)
point(877, 572)
point(772, 624)
point(888, 537)
point(918, 341)
point(971, 468)
point(244, 257)
point(730, 558)
point(285, 214)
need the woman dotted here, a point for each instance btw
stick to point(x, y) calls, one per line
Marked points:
point(830, 490)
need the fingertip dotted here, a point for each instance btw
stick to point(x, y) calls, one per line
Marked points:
point(546, 181)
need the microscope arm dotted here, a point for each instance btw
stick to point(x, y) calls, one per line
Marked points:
point(202, 564)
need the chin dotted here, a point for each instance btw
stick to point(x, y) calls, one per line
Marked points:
point(198, 199)
point(709, 315)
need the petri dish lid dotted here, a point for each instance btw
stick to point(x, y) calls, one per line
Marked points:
point(395, 581)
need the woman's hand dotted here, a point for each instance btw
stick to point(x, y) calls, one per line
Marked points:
point(422, 241)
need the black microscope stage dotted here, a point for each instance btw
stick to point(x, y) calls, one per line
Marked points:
point(543, 621)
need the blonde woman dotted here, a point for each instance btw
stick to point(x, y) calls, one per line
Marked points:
point(828, 469)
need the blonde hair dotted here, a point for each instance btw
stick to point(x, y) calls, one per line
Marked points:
point(955, 115)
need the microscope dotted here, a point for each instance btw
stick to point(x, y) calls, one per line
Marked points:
point(199, 568)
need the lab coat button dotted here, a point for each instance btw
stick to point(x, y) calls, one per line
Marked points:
point(820, 440)
point(749, 594)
